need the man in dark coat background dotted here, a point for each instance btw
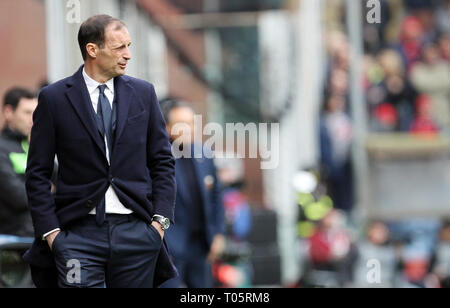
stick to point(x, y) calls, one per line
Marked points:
point(197, 240)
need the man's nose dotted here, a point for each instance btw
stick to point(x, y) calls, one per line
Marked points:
point(127, 54)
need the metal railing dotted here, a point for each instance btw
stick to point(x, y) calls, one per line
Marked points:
point(14, 272)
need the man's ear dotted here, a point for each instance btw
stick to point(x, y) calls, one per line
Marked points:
point(8, 112)
point(92, 50)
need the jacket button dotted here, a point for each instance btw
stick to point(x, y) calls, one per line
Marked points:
point(89, 203)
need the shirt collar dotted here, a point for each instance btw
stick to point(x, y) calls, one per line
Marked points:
point(92, 85)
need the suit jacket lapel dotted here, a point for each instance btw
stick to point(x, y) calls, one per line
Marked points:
point(79, 98)
point(124, 94)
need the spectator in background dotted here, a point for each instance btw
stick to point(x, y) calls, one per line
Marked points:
point(442, 264)
point(15, 219)
point(420, 237)
point(399, 91)
point(427, 18)
point(431, 76)
point(332, 248)
point(390, 95)
point(378, 233)
point(411, 41)
point(237, 210)
point(375, 33)
point(339, 52)
point(197, 238)
point(339, 83)
point(335, 144)
point(443, 16)
point(423, 123)
point(385, 118)
point(444, 46)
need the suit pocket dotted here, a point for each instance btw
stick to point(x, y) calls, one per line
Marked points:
point(137, 118)
point(155, 233)
point(56, 241)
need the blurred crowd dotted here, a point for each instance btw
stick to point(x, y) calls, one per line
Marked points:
point(406, 67)
point(406, 73)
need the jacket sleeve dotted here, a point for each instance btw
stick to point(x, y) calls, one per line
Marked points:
point(40, 165)
point(12, 189)
point(160, 162)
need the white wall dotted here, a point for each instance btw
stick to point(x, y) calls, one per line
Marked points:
point(291, 67)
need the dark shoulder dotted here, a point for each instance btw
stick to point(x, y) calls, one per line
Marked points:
point(5, 145)
point(139, 84)
point(55, 88)
point(3, 142)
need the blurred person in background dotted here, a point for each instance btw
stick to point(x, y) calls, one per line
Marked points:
point(378, 233)
point(396, 88)
point(419, 237)
point(197, 239)
point(441, 266)
point(233, 269)
point(339, 83)
point(338, 50)
point(389, 94)
point(425, 11)
point(237, 210)
point(431, 76)
point(331, 247)
point(423, 123)
point(18, 107)
point(385, 118)
point(336, 135)
point(375, 33)
point(411, 41)
point(443, 16)
point(444, 46)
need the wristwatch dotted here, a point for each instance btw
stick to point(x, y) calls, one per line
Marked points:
point(163, 221)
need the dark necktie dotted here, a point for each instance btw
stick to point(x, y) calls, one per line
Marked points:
point(104, 112)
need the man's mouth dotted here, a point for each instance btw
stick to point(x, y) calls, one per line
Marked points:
point(122, 66)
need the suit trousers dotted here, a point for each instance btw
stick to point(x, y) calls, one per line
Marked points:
point(121, 253)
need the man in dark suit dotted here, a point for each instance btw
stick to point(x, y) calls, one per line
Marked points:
point(116, 182)
point(197, 239)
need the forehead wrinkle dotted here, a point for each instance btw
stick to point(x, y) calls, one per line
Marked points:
point(116, 41)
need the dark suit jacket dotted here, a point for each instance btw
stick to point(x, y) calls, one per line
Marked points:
point(213, 209)
point(142, 171)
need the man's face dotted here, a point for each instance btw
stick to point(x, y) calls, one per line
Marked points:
point(21, 119)
point(112, 59)
point(182, 115)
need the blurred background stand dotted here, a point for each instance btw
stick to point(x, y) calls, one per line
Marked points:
point(409, 176)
